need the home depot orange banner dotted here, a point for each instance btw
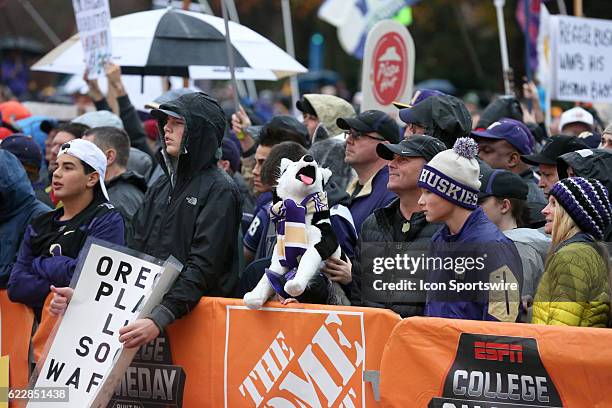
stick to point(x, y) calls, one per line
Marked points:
point(17, 321)
point(225, 355)
point(447, 363)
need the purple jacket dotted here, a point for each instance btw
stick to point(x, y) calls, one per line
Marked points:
point(46, 257)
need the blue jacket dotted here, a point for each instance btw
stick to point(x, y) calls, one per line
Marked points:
point(18, 205)
point(480, 239)
point(373, 195)
point(50, 249)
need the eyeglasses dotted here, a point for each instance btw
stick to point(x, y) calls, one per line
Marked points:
point(358, 135)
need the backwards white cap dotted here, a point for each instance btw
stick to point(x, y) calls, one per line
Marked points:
point(576, 114)
point(90, 154)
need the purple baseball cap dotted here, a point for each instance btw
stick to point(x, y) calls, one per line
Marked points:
point(418, 97)
point(512, 131)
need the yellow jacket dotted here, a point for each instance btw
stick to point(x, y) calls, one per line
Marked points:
point(574, 289)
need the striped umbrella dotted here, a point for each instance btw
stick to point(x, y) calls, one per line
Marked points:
point(172, 42)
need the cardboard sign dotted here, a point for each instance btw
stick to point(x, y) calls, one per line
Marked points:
point(452, 363)
point(112, 290)
point(582, 59)
point(388, 67)
point(93, 22)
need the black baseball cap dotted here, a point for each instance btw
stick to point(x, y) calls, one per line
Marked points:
point(502, 184)
point(372, 121)
point(305, 107)
point(415, 146)
point(554, 147)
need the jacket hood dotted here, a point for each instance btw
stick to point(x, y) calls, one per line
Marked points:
point(15, 188)
point(204, 128)
point(445, 117)
point(588, 163)
point(132, 178)
point(503, 107)
point(329, 108)
point(531, 237)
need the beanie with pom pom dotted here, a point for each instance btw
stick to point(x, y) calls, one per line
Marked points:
point(454, 174)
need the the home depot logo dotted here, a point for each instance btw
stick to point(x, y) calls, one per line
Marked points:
point(322, 367)
point(498, 352)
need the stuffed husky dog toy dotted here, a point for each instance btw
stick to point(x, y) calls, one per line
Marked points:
point(304, 234)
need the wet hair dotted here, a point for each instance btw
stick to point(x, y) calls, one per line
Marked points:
point(109, 137)
point(271, 136)
point(270, 169)
point(75, 129)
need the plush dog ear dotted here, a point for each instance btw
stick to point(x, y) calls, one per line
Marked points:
point(326, 173)
point(284, 164)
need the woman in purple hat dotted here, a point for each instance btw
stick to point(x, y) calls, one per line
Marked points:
point(575, 287)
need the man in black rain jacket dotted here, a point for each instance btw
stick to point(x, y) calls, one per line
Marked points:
point(193, 213)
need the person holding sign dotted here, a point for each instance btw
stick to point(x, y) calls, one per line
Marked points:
point(50, 248)
point(193, 212)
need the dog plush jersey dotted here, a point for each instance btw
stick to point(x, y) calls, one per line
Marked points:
point(304, 235)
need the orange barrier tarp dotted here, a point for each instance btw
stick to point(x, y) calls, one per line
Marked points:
point(424, 355)
point(310, 353)
point(17, 321)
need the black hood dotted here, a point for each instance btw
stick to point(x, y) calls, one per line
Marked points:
point(204, 128)
point(445, 117)
point(588, 163)
point(502, 107)
point(132, 178)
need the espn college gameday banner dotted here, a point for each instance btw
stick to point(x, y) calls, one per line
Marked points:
point(302, 355)
point(17, 321)
point(448, 363)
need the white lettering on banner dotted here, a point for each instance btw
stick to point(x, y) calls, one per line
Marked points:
point(329, 347)
point(93, 21)
point(582, 59)
point(110, 292)
point(448, 188)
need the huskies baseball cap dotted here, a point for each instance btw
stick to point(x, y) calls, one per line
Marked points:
point(415, 146)
point(418, 97)
point(502, 184)
point(372, 121)
point(90, 154)
point(555, 147)
point(510, 130)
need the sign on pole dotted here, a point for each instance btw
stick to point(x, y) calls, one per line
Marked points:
point(93, 21)
point(582, 59)
point(86, 358)
point(388, 67)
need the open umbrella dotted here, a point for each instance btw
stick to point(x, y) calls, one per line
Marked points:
point(173, 42)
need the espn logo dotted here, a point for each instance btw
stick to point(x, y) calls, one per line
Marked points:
point(498, 352)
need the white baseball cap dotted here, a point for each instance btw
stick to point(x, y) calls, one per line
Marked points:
point(576, 114)
point(90, 154)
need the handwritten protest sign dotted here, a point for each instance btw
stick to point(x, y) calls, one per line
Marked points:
point(582, 59)
point(113, 289)
point(93, 21)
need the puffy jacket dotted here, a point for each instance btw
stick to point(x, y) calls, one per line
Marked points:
point(192, 212)
point(18, 205)
point(574, 289)
point(378, 227)
point(478, 238)
point(50, 249)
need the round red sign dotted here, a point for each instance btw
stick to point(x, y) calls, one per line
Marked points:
point(390, 68)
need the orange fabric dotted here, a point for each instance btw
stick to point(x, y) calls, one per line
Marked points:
point(13, 111)
point(276, 343)
point(47, 323)
point(17, 321)
point(421, 351)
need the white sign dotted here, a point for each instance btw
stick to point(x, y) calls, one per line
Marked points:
point(582, 59)
point(388, 67)
point(93, 21)
point(113, 289)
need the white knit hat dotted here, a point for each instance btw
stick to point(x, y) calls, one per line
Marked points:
point(454, 174)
